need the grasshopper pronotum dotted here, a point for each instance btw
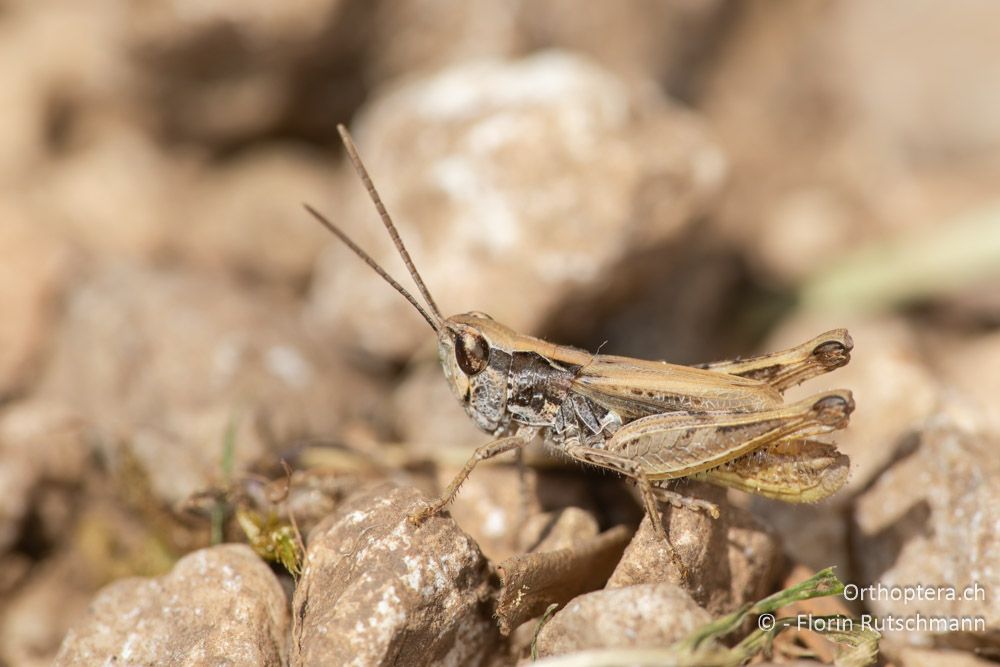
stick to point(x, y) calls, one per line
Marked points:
point(654, 422)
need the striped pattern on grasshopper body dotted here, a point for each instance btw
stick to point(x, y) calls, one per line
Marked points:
point(725, 423)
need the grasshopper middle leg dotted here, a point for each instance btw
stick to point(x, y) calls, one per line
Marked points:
point(646, 490)
point(487, 451)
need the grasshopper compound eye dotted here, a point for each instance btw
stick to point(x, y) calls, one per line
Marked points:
point(472, 353)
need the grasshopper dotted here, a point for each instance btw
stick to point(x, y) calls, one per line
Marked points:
point(651, 421)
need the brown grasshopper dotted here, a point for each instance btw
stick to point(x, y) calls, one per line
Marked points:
point(652, 421)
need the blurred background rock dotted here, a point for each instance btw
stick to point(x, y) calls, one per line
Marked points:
point(681, 180)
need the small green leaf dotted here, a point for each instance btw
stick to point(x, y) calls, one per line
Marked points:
point(538, 628)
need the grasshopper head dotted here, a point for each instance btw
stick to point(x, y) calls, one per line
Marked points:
point(466, 346)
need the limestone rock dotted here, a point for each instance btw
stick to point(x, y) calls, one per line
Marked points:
point(523, 182)
point(37, 614)
point(930, 520)
point(247, 217)
point(174, 358)
point(229, 72)
point(377, 590)
point(646, 615)
point(218, 605)
point(33, 272)
point(730, 560)
point(43, 456)
point(490, 506)
point(894, 390)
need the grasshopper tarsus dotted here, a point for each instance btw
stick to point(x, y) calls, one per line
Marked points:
point(725, 422)
point(417, 518)
point(681, 501)
point(648, 493)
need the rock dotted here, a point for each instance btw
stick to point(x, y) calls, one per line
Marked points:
point(930, 520)
point(218, 605)
point(226, 74)
point(646, 43)
point(529, 180)
point(426, 414)
point(814, 535)
point(562, 529)
point(894, 390)
point(420, 36)
point(902, 109)
point(17, 479)
point(52, 97)
point(557, 570)
point(43, 457)
point(114, 196)
point(924, 657)
point(491, 506)
point(45, 605)
point(173, 359)
point(641, 616)
point(33, 271)
point(893, 387)
point(730, 560)
point(871, 149)
point(247, 216)
point(376, 589)
point(49, 434)
point(13, 568)
point(802, 230)
point(973, 367)
point(643, 42)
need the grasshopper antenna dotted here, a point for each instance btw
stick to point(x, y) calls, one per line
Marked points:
point(434, 322)
point(359, 167)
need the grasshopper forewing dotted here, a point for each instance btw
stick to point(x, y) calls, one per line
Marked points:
point(652, 421)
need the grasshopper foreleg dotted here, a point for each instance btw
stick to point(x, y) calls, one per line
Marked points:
point(487, 451)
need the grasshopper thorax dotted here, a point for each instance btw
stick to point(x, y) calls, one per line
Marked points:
point(506, 380)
